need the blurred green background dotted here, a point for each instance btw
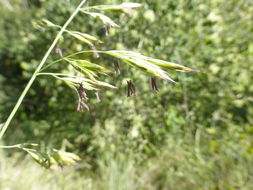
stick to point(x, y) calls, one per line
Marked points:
point(193, 135)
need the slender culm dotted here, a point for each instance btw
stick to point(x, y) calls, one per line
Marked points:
point(43, 61)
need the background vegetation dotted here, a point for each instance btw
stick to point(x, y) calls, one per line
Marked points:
point(196, 134)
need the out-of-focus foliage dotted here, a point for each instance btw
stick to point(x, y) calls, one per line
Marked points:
point(196, 134)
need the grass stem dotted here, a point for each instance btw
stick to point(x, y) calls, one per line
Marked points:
point(29, 84)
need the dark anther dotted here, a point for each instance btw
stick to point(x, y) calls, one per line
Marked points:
point(95, 54)
point(154, 84)
point(130, 88)
point(116, 67)
point(133, 88)
point(58, 51)
point(81, 92)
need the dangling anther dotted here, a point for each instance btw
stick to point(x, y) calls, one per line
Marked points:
point(106, 30)
point(154, 84)
point(81, 106)
point(116, 67)
point(130, 88)
point(97, 96)
point(59, 51)
point(95, 53)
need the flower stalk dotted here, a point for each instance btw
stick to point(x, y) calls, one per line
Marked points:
point(43, 61)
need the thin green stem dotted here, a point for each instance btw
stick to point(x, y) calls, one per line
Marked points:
point(62, 59)
point(56, 74)
point(12, 146)
point(6, 124)
point(50, 64)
